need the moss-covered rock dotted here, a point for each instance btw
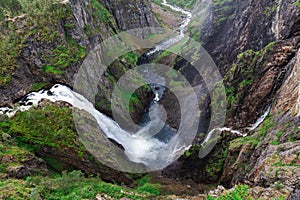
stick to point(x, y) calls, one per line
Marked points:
point(50, 133)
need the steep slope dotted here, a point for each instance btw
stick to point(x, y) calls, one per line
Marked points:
point(256, 46)
point(45, 42)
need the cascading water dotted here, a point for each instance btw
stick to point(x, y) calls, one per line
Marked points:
point(261, 119)
point(140, 146)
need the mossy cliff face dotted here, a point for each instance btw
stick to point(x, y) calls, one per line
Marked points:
point(256, 46)
point(235, 26)
point(45, 43)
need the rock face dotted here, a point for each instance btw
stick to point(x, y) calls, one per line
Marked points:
point(19, 163)
point(256, 47)
point(52, 50)
point(236, 26)
point(131, 14)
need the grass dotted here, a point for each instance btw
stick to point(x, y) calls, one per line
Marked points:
point(131, 57)
point(35, 128)
point(264, 129)
point(70, 185)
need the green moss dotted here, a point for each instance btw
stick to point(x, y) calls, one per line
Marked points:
point(39, 25)
point(37, 86)
point(149, 188)
point(264, 129)
point(54, 164)
point(214, 167)
point(241, 74)
point(16, 153)
point(221, 11)
point(64, 56)
point(297, 4)
point(251, 140)
point(194, 149)
point(12, 189)
point(48, 127)
point(72, 185)
point(101, 12)
point(131, 57)
point(269, 10)
point(49, 69)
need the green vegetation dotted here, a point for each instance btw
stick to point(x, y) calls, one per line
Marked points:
point(9, 7)
point(267, 124)
point(222, 10)
point(131, 57)
point(215, 165)
point(243, 72)
point(256, 138)
point(297, 4)
point(72, 185)
point(38, 86)
point(269, 10)
point(17, 153)
point(194, 149)
point(64, 56)
point(101, 12)
point(251, 140)
point(51, 126)
point(49, 69)
point(39, 26)
point(278, 136)
point(240, 192)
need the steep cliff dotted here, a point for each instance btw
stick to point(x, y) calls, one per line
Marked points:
point(255, 44)
point(45, 42)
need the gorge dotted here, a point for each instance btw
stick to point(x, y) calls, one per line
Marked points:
point(49, 129)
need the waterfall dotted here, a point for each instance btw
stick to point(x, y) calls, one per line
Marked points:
point(210, 134)
point(155, 144)
point(261, 119)
point(140, 147)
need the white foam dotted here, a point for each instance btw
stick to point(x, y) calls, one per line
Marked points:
point(260, 120)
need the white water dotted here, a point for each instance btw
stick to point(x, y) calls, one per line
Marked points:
point(139, 147)
point(168, 43)
point(211, 133)
point(260, 120)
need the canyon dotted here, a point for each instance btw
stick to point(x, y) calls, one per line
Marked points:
point(254, 45)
